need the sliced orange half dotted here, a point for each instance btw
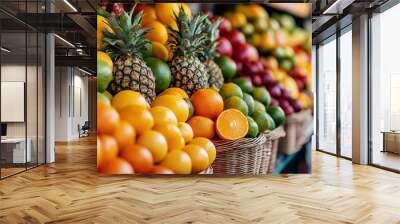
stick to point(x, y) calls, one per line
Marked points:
point(232, 125)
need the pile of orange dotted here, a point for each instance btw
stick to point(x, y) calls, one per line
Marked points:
point(134, 137)
point(211, 118)
point(157, 19)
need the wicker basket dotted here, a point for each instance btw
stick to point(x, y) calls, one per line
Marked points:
point(273, 137)
point(207, 171)
point(295, 128)
point(245, 156)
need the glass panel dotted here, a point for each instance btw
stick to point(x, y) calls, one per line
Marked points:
point(327, 96)
point(31, 99)
point(346, 94)
point(41, 99)
point(13, 86)
point(385, 84)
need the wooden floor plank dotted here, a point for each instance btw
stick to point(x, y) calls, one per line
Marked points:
point(71, 191)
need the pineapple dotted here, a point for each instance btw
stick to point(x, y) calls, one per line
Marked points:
point(215, 76)
point(125, 45)
point(187, 44)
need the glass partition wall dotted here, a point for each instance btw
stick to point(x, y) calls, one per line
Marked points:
point(385, 89)
point(22, 90)
point(334, 94)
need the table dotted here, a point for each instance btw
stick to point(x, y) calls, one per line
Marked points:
point(391, 141)
point(15, 148)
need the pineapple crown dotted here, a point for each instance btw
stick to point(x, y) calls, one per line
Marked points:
point(211, 29)
point(127, 37)
point(189, 39)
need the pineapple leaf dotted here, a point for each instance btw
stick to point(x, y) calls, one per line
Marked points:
point(127, 38)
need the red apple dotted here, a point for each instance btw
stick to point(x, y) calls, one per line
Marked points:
point(275, 91)
point(225, 26)
point(267, 78)
point(296, 106)
point(253, 67)
point(239, 67)
point(274, 102)
point(245, 52)
point(300, 84)
point(256, 80)
point(285, 95)
point(118, 9)
point(224, 47)
point(236, 38)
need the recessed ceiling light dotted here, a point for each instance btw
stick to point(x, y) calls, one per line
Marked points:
point(70, 5)
point(65, 41)
point(5, 49)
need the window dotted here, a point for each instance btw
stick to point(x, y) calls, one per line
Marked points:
point(327, 96)
point(346, 75)
point(385, 89)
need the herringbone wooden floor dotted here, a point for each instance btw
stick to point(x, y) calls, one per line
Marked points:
point(70, 191)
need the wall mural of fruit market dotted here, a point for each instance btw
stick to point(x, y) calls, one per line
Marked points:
point(202, 89)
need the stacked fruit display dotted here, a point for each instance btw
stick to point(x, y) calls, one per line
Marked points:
point(134, 137)
point(169, 82)
point(284, 67)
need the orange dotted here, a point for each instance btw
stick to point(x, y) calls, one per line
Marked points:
point(173, 25)
point(117, 166)
point(237, 19)
point(254, 11)
point(176, 104)
point(161, 170)
point(155, 142)
point(207, 103)
point(166, 12)
point(124, 134)
point(109, 148)
point(232, 125)
point(157, 32)
point(160, 51)
point(99, 151)
point(102, 26)
point(208, 146)
point(163, 115)
point(127, 98)
point(140, 118)
point(202, 127)
point(149, 15)
point(186, 131)
point(176, 91)
point(178, 161)
point(139, 157)
point(173, 136)
point(107, 118)
point(198, 156)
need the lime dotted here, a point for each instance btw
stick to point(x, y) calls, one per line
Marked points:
point(227, 66)
point(271, 122)
point(253, 128)
point(258, 106)
point(262, 119)
point(248, 29)
point(244, 84)
point(191, 108)
point(235, 102)
point(108, 95)
point(249, 101)
point(261, 94)
point(148, 49)
point(161, 72)
point(277, 114)
point(102, 97)
point(230, 89)
point(104, 71)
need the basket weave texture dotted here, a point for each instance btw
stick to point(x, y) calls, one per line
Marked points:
point(274, 136)
point(247, 156)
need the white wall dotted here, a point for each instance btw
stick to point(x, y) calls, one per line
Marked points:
point(71, 102)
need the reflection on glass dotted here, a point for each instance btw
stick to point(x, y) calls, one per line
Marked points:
point(346, 94)
point(385, 88)
point(14, 150)
point(327, 96)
